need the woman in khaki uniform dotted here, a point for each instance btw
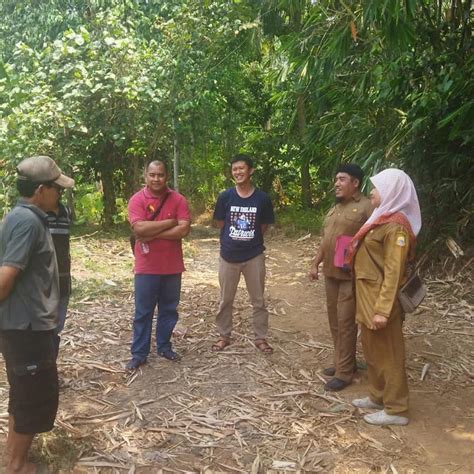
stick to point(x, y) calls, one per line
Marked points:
point(379, 253)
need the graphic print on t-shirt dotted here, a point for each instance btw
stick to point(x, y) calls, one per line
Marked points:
point(242, 222)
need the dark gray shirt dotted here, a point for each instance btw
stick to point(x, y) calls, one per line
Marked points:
point(26, 243)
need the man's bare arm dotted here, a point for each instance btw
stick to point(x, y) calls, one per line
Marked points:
point(218, 224)
point(7, 280)
point(152, 229)
point(177, 232)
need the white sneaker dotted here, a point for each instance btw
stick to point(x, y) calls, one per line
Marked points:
point(366, 403)
point(382, 418)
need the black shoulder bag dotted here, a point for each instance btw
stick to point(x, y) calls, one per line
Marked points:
point(412, 293)
point(133, 239)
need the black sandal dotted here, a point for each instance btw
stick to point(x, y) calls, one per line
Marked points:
point(169, 354)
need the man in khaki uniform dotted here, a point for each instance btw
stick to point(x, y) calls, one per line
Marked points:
point(341, 223)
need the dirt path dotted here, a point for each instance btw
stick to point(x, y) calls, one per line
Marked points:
point(440, 437)
point(241, 411)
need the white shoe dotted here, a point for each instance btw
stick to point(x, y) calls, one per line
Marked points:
point(366, 403)
point(382, 418)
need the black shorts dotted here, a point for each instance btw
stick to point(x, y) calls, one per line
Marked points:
point(30, 359)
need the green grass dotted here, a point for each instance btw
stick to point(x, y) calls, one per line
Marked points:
point(297, 221)
point(58, 449)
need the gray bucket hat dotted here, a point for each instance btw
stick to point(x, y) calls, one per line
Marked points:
point(42, 169)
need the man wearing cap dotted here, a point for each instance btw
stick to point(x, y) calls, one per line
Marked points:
point(342, 222)
point(29, 295)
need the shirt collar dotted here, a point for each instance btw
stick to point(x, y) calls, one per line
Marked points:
point(357, 196)
point(61, 211)
point(39, 212)
point(149, 195)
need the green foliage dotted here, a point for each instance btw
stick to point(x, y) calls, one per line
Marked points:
point(387, 84)
point(103, 86)
point(112, 84)
point(88, 205)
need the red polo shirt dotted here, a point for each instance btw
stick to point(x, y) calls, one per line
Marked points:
point(165, 257)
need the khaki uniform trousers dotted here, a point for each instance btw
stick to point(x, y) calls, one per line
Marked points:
point(229, 277)
point(341, 314)
point(384, 351)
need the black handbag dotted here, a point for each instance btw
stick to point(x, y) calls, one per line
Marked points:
point(412, 293)
point(132, 237)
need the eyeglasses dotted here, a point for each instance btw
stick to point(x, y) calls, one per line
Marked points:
point(58, 188)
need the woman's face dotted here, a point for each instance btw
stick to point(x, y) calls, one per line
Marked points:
point(375, 198)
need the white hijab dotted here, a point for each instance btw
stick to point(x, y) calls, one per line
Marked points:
point(398, 194)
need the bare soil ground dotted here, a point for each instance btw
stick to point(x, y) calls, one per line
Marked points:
point(240, 410)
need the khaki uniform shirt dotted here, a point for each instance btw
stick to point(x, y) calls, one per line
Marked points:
point(345, 218)
point(379, 271)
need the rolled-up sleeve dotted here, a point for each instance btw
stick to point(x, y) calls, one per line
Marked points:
point(20, 241)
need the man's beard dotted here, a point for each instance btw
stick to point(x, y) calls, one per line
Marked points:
point(338, 199)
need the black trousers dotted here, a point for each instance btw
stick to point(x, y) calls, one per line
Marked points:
point(30, 359)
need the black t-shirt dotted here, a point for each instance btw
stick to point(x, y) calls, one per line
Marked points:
point(241, 237)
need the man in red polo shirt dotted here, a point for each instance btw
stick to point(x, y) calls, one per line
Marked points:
point(158, 261)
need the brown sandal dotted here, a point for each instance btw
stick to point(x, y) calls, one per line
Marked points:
point(221, 344)
point(263, 346)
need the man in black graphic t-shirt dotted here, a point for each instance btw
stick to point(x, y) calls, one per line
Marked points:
point(59, 222)
point(243, 214)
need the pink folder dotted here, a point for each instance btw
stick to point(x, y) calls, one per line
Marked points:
point(342, 244)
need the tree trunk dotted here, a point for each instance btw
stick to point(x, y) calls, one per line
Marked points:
point(175, 158)
point(108, 188)
point(229, 140)
point(133, 176)
point(70, 202)
point(306, 198)
point(268, 172)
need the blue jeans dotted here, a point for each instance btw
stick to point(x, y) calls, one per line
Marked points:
point(151, 291)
